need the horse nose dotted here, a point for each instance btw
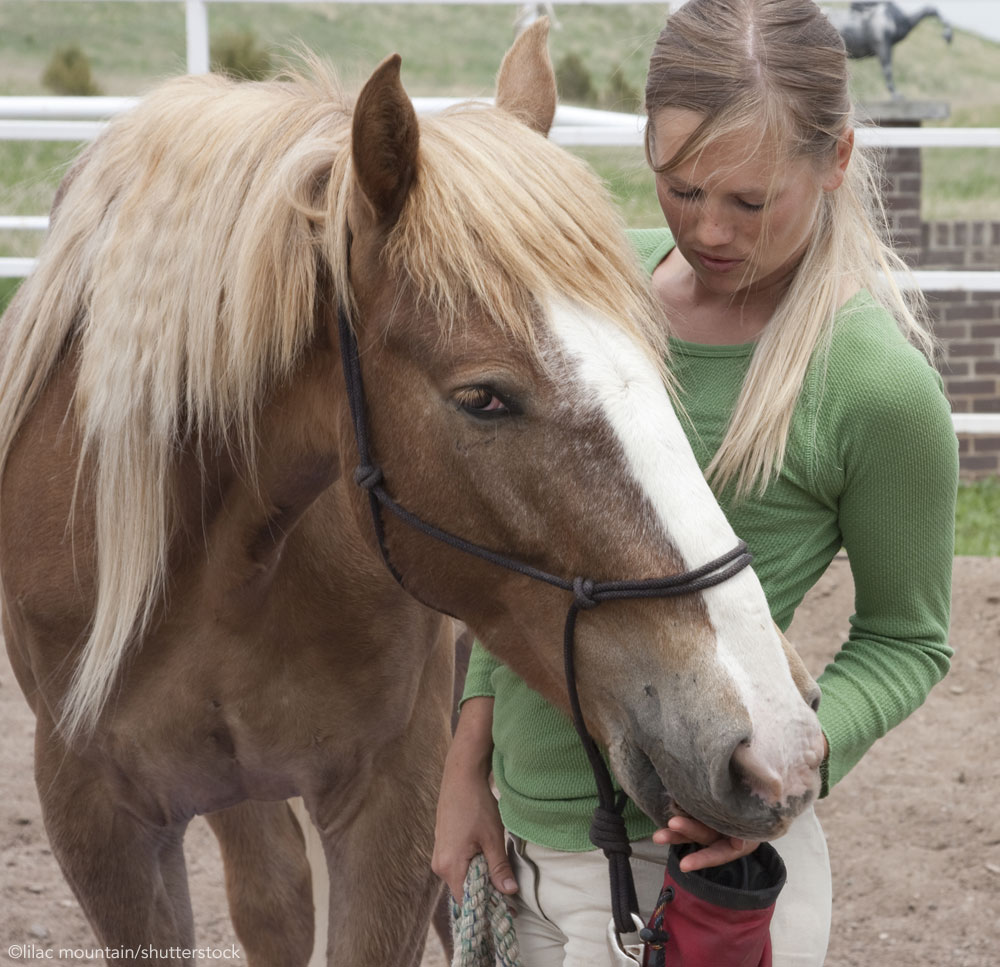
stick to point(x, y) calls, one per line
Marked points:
point(761, 778)
point(752, 771)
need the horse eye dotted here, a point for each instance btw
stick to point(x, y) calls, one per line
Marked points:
point(482, 401)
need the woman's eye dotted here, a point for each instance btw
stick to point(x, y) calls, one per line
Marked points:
point(750, 206)
point(481, 401)
point(685, 195)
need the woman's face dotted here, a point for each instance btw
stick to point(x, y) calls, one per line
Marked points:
point(740, 217)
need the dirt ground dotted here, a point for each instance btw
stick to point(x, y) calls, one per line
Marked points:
point(914, 830)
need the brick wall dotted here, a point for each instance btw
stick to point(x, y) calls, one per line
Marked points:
point(967, 324)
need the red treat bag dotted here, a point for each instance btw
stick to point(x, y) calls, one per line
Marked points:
point(716, 917)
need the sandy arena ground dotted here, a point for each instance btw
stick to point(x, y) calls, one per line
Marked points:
point(914, 831)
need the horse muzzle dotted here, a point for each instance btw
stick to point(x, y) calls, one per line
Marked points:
point(735, 789)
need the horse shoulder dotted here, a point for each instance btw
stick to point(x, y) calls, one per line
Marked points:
point(894, 25)
point(246, 524)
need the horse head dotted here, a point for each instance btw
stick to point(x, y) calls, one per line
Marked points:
point(516, 396)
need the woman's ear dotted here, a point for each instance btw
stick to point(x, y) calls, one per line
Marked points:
point(845, 148)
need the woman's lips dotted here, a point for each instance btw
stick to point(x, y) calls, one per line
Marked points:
point(717, 264)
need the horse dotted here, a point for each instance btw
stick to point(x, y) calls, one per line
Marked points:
point(871, 29)
point(193, 592)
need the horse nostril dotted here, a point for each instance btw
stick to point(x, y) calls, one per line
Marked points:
point(813, 698)
point(750, 769)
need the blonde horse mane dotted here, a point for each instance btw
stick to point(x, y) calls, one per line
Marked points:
point(182, 267)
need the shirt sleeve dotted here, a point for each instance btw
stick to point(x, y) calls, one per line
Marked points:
point(651, 245)
point(899, 466)
point(479, 677)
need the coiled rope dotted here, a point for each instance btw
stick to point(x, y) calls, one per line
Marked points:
point(481, 926)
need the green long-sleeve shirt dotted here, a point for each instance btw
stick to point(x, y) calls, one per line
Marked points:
point(871, 466)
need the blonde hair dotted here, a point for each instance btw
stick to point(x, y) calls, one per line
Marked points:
point(183, 270)
point(778, 68)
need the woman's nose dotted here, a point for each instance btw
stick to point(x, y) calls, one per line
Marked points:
point(713, 229)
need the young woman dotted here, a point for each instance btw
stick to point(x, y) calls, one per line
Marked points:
point(817, 421)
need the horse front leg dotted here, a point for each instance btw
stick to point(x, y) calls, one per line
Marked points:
point(382, 890)
point(378, 836)
point(268, 882)
point(884, 53)
point(127, 873)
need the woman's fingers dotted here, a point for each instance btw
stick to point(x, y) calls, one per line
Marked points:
point(501, 874)
point(717, 854)
point(684, 829)
point(468, 823)
point(716, 848)
point(452, 869)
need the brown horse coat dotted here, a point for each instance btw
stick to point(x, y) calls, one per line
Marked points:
point(193, 602)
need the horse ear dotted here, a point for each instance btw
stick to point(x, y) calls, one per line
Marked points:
point(384, 138)
point(526, 84)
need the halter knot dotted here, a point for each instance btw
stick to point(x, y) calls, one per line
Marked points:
point(368, 477)
point(583, 593)
point(608, 832)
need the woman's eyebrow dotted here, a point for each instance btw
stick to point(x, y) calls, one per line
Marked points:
point(681, 184)
point(678, 182)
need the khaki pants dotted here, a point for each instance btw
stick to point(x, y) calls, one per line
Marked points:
point(563, 904)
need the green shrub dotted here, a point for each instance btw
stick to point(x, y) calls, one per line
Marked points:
point(239, 55)
point(620, 95)
point(68, 73)
point(573, 80)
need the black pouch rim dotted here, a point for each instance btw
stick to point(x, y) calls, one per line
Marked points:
point(732, 898)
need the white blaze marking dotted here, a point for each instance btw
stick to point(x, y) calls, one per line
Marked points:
point(614, 373)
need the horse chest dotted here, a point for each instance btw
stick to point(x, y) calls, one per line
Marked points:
point(175, 760)
point(257, 719)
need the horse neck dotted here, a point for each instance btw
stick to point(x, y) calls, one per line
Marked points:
point(284, 500)
point(905, 23)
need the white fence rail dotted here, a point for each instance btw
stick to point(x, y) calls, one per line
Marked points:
point(81, 119)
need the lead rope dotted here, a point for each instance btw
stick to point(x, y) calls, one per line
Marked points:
point(607, 826)
point(482, 928)
point(607, 830)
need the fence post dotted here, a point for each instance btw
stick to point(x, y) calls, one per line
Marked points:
point(196, 22)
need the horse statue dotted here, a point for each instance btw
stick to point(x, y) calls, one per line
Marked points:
point(530, 13)
point(193, 590)
point(871, 29)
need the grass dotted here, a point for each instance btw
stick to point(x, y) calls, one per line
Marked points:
point(628, 178)
point(32, 171)
point(7, 289)
point(445, 49)
point(449, 50)
point(977, 518)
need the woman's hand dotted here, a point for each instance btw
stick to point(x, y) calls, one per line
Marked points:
point(716, 848)
point(468, 818)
